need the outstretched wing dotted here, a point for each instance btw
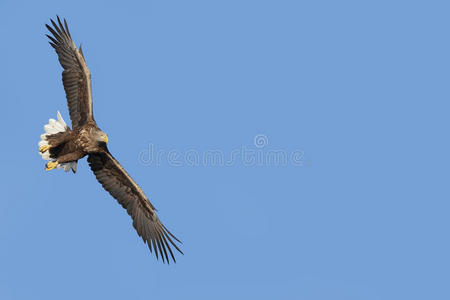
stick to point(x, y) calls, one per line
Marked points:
point(124, 189)
point(76, 76)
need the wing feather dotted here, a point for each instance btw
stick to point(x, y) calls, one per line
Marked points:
point(76, 76)
point(124, 189)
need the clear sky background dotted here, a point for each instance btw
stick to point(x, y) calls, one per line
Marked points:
point(358, 90)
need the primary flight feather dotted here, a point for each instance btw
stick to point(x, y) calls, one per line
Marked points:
point(63, 147)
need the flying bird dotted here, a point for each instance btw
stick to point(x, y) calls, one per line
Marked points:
point(63, 147)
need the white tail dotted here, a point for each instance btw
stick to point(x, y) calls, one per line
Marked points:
point(53, 127)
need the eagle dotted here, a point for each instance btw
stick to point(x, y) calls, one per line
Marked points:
point(63, 147)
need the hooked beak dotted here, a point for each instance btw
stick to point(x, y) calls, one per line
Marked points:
point(105, 139)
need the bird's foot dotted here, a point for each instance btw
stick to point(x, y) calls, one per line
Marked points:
point(44, 148)
point(51, 165)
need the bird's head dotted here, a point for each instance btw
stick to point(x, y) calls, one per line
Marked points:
point(100, 137)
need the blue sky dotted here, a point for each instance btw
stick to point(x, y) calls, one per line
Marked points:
point(354, 94)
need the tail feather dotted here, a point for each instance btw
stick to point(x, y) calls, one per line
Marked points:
point(54, 127)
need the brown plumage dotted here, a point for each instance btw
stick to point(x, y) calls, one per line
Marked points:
point(64, 147)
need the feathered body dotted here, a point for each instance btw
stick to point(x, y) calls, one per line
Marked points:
point(67, 146)
point(63, 147)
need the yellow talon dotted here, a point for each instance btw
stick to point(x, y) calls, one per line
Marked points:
point(51, 165)
point(44, 148)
